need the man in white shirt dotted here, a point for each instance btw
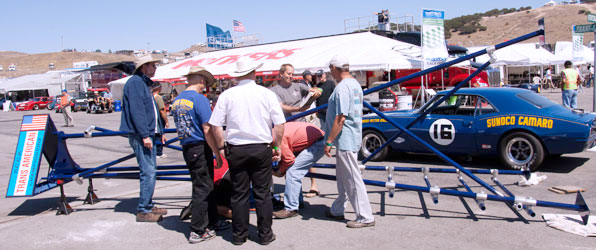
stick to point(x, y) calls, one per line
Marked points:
point(248, 111)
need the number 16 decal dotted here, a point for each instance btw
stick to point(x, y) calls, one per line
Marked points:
point(442, 132)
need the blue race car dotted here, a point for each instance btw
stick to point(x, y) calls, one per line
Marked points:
point(518, 126)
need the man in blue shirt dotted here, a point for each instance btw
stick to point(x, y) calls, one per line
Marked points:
point(191, 112)
point(344, 129)
point(139, 118)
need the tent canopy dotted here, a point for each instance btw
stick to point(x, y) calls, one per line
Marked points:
point(521, 54)
point(366, 51)
point(52, 81)
point(564, 52)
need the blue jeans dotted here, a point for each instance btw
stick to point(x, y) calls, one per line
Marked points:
point(570, 98)
point(147, 167)
point(294, 175)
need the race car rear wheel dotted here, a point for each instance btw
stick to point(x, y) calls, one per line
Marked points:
point(371, 141)
point(520, 149)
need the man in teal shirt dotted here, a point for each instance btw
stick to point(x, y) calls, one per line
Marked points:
point(344, 129)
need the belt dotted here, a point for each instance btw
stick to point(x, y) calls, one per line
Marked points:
point(245, 145)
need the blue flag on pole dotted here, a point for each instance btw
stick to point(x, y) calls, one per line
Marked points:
point(217, 38)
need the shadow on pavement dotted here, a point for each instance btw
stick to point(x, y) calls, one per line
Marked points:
point(36, 206)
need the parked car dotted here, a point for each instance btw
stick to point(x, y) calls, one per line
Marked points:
point(517, 126)
point(80, 103)
point(35, 104)
point(55, 104)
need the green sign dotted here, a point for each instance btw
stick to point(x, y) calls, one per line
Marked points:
point(592, 18)
point(583, 28)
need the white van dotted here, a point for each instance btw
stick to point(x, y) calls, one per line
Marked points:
point(1, 68)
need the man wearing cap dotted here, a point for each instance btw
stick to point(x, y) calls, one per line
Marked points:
point(327, 86)
point(290, 94)
point(248, 112)
point(307, 78)
point(140, 119)
point(344, 130)
point(65, 105)
point(191, 112)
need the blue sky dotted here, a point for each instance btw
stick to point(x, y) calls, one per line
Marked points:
point(38, 26)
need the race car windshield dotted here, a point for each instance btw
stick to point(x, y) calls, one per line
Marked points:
point(536, 100)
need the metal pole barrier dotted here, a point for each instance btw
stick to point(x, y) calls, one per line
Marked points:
point(79, 177)
point(579, 205)
point(437, 170)
point(480, 197)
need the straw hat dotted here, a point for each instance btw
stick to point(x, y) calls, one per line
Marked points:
point(198, 70)
point(144, 60)
point(245, 65)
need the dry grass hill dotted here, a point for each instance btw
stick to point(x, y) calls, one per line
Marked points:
point(39, 63)
point(558, 21)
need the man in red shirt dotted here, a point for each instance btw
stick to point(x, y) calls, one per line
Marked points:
point(305, 140)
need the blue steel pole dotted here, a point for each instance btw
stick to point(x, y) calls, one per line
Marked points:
point(90, 171)
point(479, 202)
point(451, 192)
point(425, 112)
point(123, 169)
point(81, 135)
point(437, 152)
point(426, 71)
point(437, 170)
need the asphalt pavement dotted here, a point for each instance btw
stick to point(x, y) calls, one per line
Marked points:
point(410, 220)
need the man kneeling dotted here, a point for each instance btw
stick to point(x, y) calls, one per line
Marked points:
point(306, 140)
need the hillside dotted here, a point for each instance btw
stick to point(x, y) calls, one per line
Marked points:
point(39, 63)
point(558, 21)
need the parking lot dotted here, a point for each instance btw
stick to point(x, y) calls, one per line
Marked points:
point(410, 220)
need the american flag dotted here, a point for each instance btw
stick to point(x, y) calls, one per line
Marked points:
point(238, 26)
point(34, 122)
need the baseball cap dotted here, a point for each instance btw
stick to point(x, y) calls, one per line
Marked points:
point(306, 73)
point(319, 72)
point(340, 61)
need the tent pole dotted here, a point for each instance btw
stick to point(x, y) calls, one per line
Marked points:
point(594, 80)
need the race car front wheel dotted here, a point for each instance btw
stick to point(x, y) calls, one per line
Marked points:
point(521, 149)
point(371, 141)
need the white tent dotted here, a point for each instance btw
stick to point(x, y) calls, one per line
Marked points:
point(521, 54)
point(53, 81)
point(117, 87)
point(563, 52)
point(366, 51)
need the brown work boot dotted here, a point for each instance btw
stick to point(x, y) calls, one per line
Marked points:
point(159, 211)
point(284, 214)
point(148, 217)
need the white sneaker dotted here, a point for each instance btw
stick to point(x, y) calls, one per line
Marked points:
point(162, 156)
